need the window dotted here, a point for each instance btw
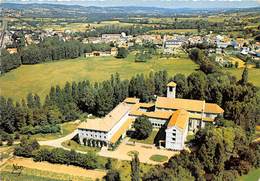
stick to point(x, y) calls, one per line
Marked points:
point(171, 89)
point(174, 134)
point(173, 139)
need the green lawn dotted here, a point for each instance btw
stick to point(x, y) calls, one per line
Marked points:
point(159, 158)
point(253, 175)
point(149, 140)
point(39, 78)
point(65, 127)
point(253, 74)
point(75, 146)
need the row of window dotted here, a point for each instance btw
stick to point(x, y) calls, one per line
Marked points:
point(157, 124)
point(91, 135)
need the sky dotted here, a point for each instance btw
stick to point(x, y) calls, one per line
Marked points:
point(153, 3)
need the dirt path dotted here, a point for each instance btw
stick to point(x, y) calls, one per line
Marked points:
point(58, 168)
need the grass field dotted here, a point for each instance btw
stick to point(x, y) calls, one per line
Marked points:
point(253, 175)
point(253, 73)
point(39, 78)
point(9, 176)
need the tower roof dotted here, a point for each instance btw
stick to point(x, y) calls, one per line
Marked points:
point(171, 84)
point(179, 118)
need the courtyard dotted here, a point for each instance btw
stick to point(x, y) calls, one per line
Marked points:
point(145, 151)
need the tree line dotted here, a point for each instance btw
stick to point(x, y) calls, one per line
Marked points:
point(50, 49)
point(31, 148)
point(115, 29)
point(238, 99)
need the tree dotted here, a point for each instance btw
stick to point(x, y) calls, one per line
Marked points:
point(143, 127)
point(108, 164)
point(112, 175)
point(10, 140)
point(236, 64)
point(197, 85)
point(244, 78)
point(135, 164)
point(122, 53)
point(182, 88)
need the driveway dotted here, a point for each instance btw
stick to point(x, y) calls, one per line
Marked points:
point(57, 142)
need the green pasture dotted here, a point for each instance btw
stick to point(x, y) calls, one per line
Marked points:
point(39, 78)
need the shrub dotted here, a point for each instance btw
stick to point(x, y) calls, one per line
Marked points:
point(122, 53)
point(59, 155)
point(26, 147)
point(50, 128)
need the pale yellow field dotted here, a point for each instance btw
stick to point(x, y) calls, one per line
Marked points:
point(49, 170)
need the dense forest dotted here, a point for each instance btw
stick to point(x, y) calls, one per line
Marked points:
point(50, 49)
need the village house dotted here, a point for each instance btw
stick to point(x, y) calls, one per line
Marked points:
point(112, 52)
point(12, 50)
point(176, 116)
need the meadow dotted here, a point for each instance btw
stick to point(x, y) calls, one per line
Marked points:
point(39, 78)
point(253, 74)
point(253, 175)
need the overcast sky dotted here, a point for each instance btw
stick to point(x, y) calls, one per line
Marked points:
point(155, 3)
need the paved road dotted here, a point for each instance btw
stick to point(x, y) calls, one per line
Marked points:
point(57, 142)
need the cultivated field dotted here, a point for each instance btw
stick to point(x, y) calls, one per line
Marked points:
point(178, 31)
point(82, 27)
point(39, 78)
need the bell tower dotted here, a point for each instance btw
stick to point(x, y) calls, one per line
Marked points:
point(171, 89)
